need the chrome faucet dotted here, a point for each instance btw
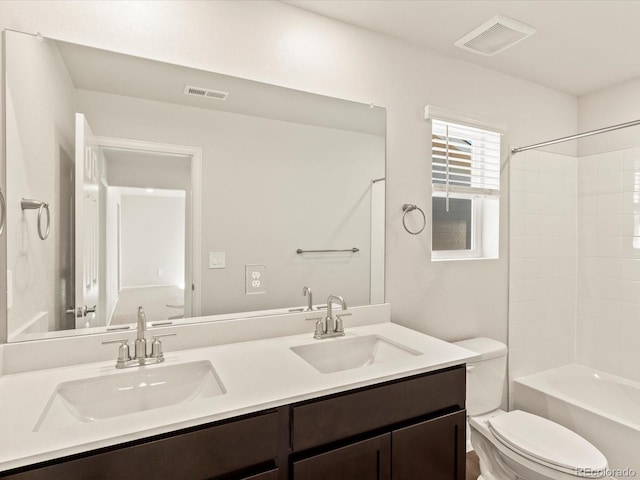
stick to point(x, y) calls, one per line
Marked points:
point(306, 291)
point(140, 357)
point(328, 327)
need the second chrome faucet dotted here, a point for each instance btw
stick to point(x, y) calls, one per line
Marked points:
point(328, 326)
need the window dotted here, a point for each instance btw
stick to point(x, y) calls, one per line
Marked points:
point(466, 190)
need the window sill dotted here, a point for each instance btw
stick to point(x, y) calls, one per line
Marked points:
point(463, 259)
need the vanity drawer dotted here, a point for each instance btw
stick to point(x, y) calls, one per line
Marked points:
point(320, 422)
point(200, 454)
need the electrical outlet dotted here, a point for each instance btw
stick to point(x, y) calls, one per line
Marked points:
point(254, 279)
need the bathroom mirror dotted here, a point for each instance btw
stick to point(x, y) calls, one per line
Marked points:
point(196, 195)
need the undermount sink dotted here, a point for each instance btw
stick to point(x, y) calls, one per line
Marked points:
point(336, 355)
point(109, 396)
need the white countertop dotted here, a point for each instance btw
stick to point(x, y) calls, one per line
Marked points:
point(257, 375)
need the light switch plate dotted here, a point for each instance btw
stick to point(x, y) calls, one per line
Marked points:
point(217, 260)
point(254, 276)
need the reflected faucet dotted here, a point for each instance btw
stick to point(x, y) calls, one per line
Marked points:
point(306, 291)
point(329, 326)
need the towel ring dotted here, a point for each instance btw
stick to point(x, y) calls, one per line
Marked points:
point(406, 208)
point(28, 204)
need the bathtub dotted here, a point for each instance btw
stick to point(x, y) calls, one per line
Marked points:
point(602, 408)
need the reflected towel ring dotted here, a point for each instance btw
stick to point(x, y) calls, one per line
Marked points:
point(408, 207)
point(28, 204)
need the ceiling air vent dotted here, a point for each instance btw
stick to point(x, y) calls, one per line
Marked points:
point(494, 36)
point(205, 92)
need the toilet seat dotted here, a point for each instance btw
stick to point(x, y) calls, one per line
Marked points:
point(547, 443)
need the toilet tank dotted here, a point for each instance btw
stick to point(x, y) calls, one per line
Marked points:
point(485, 376)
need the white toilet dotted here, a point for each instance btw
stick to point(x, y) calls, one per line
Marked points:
point(516, 444)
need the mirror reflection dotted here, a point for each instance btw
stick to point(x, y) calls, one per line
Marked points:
point(183, 191)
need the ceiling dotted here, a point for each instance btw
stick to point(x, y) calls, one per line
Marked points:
point(580, 45)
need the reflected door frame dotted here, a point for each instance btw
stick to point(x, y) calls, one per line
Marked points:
point(193, 268)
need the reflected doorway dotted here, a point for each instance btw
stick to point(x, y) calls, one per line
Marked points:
point(148, 224)
point(147, 229)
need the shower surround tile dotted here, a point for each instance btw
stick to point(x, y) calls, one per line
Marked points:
point(609, 261)
point(543, 266)
point(575, 262)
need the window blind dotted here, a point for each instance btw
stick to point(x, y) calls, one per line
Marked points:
point(465, 159)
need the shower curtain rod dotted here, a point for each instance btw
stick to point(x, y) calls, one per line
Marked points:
point(576, 136)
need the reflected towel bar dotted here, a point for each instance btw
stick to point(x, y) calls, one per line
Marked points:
point(352, 250)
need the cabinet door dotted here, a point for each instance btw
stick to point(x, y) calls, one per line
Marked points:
point(366, 460)
point(431, 450)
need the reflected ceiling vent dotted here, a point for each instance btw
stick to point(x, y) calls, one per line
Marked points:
point(205, 92)
point(494, 36)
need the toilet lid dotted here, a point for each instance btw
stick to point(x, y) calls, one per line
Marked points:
point(547, 442)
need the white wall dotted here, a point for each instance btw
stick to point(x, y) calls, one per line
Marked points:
point(542, 277)
point(277, 43)
point(40, 147)
point(268, 188)
point(152, 240)
point(150, 172)
point(611, 106)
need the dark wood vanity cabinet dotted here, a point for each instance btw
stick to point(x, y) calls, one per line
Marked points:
point(422, 421)
point(407, 429)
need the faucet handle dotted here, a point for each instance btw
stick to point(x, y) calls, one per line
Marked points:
point(339, 326)
point(123, 350)
point(156, 346)
point(319, 327)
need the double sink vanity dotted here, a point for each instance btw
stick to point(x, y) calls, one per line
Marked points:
point(382, 401)
point(243, 386)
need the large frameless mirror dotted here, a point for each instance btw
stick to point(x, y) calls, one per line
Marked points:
point(196, 195)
